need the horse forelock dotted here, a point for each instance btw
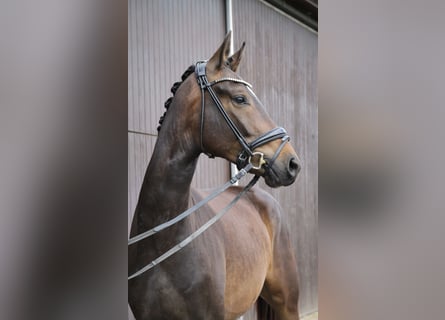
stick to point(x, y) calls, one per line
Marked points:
point(173, 90)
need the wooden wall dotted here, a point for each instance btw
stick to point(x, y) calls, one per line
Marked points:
point(165, 37)
point(281, 63)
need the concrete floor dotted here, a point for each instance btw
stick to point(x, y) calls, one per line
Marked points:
point(312, 316)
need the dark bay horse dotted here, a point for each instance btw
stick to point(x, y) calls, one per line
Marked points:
point(246, 254)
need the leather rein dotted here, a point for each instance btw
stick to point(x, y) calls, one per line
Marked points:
point(247, 159)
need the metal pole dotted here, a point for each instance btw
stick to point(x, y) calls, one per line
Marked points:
point(229, 21)
point(229, 27)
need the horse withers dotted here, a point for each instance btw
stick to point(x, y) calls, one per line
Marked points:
point(247, 255)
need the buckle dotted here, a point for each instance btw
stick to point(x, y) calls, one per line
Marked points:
point(200, 68)
point(257, 156)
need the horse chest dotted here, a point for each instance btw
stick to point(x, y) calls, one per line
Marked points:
point(183, 288)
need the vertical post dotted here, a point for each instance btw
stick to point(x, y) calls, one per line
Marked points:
point(229, 21)
point(229, 27)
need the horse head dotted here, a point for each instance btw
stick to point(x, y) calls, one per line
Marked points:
point(229, 120)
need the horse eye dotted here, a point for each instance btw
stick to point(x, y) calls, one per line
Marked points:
point(240, 100)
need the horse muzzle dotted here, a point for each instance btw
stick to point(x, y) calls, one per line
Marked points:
point(282, 172)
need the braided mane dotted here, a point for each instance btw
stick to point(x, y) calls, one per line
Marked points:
point(173, 89)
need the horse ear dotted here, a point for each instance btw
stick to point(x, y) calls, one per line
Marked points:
point(235, 59)
point(218, 59)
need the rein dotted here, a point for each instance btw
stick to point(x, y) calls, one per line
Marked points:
point(243, 162)
point(189, 211)
point(203, 228)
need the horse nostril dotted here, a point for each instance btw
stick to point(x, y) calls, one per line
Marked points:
point(294, 167)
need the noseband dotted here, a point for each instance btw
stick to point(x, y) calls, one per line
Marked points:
point(247, 154)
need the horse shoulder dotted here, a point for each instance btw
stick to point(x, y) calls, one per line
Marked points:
point(269, 209)
point(281, 285)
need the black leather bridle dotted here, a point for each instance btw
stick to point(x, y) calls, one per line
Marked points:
point(248, 153)
point(244, 162)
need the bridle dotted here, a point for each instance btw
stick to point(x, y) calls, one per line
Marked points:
point(244, 162)
point(247, 153)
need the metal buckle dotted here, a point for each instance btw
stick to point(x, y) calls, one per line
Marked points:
point(201, 68)
point(242, 157)
point(261, 160)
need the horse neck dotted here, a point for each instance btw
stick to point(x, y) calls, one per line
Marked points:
point(166, 187)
